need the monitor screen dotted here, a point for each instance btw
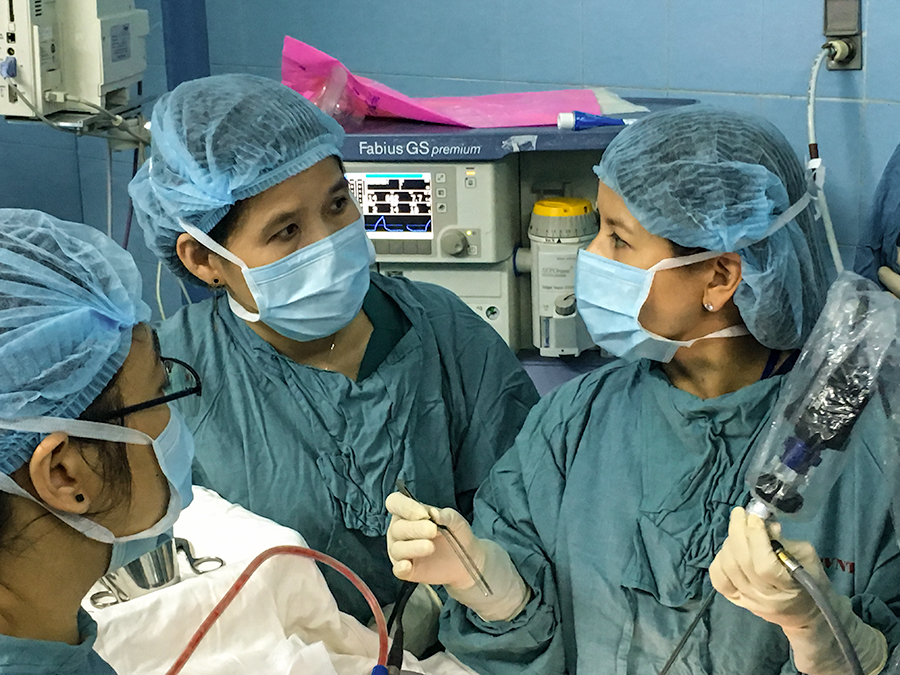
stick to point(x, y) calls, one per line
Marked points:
point(395, 205)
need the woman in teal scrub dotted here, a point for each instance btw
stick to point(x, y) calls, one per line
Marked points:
point(327, 382)
point(618, 507)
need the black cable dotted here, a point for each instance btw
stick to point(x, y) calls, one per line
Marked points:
point(395, 655)
point(707, 601)
point(130, 216)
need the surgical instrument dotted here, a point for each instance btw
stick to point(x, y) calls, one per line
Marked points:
point(457, 547)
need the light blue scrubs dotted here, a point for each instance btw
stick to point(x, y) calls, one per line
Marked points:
point(318, 452)
point(42, 657)
point(612, 503)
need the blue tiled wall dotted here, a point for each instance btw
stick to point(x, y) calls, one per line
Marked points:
point(751, 56)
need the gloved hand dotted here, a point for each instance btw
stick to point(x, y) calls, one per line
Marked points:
point(747, 572)
point(420, 553)
point(890, 279)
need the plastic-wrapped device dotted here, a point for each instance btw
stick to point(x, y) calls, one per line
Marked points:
point(851, 354)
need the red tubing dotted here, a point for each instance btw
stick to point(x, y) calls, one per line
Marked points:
point(242, 580)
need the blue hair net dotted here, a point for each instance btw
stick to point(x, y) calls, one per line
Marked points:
point(878, 247)
point(69, 297)
point(708, 178)
point(217, 140)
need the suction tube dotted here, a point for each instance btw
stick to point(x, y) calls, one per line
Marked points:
point(804, 578)
point(241, 581)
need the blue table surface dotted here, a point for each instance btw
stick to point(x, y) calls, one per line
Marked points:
point(379, 140)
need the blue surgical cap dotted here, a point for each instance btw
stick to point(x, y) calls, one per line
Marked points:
point(69, 297)
point(217, 140)
point(708, 178)
point(878, 245)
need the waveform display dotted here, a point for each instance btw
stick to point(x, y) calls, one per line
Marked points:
point(397, 224)
point(394, 203)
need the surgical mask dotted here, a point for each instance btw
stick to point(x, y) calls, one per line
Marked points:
point(609, 296)
point(311, 293)
point(174, 450)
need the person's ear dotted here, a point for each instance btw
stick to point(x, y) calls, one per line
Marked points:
point(199, 260)
point(60, 476)
point(725, 280)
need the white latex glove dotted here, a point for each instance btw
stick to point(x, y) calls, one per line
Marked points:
point(890, 279)
point(747, 572)
point(420, 553)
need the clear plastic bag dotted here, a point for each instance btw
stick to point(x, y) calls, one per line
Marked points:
point(893, 663)
point(851, 358)
point(333, 95)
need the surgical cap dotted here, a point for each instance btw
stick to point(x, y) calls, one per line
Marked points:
point(217, 140)
point(708, 178)
point(69, 297)
point(878, 245)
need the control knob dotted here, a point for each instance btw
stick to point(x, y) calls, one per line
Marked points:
point(453, 242)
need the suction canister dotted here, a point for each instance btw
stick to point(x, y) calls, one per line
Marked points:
point(559, 227)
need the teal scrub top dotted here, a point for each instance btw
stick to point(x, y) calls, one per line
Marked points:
point(319, 452)
point(42, 657)
point(612, 504)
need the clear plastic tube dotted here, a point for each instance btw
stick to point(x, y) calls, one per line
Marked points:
point(811, 97)
point(822, 202)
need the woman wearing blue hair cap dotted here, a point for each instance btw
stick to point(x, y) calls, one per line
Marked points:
point(618, 507)
point(86, 436)
point(330, 381)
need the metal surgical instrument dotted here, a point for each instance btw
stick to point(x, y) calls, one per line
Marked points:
point(457, 547)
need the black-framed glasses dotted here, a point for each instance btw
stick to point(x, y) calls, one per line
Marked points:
point(181, 381)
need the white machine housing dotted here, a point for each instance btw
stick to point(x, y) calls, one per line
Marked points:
point(451, 224)
point(491, 291)
point(92, 50)
point(463, 213)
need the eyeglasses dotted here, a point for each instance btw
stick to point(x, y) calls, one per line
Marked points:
point(181, 381)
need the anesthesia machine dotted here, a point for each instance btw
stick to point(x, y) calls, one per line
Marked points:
point(495, 215)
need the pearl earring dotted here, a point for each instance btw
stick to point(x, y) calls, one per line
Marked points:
point(708, 306)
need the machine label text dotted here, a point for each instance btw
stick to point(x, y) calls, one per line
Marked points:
point(416, 149)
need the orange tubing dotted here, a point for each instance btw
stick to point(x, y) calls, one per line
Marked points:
point(242, 580)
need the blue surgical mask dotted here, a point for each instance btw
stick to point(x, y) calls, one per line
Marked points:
point(609, 296)
point(311, 293)
point(174, 450)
